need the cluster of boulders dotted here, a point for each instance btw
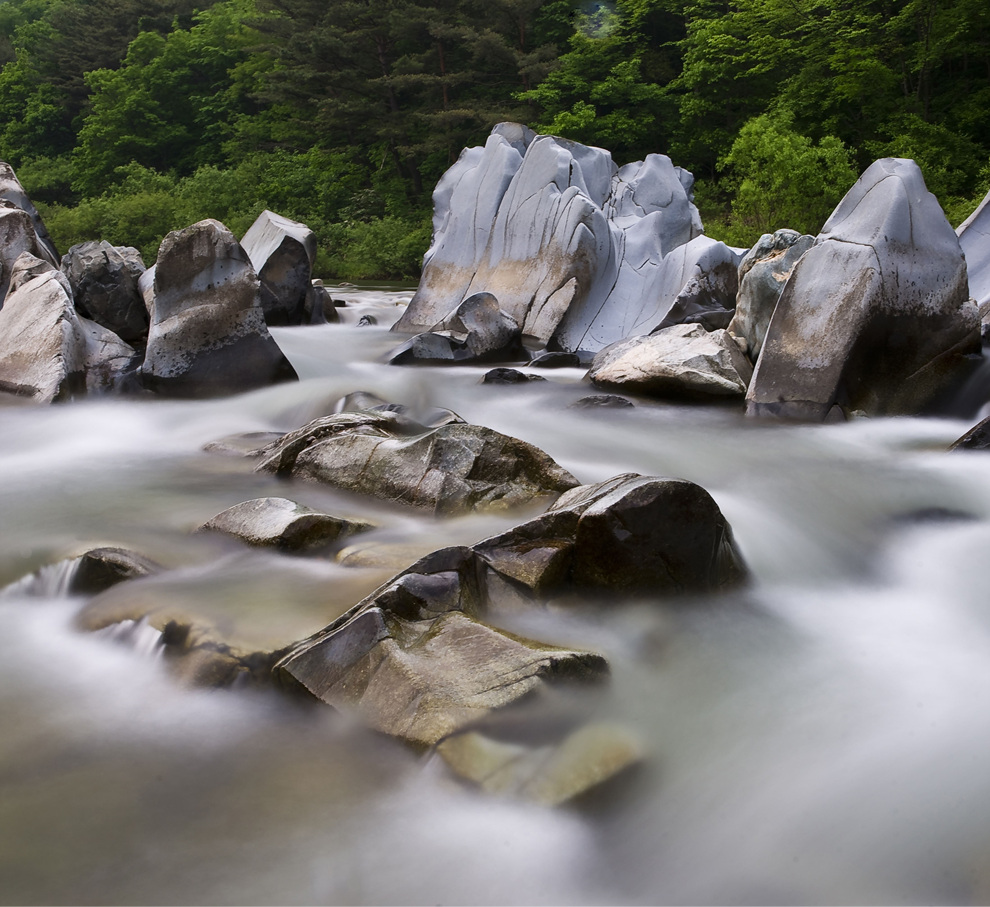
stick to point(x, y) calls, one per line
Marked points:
point(193, 324)
point(873, 316)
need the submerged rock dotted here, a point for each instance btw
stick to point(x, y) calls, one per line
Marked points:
point(762, 274)
point(683, 361)
point(875, 316)
point(282, 252)
point(509, 376)
point(208, 335)
point(104, 281)
point(48, 352)
point(282, 524)
point(423, 679)
point(448, 470)
point(974, 238)
point(602, 401)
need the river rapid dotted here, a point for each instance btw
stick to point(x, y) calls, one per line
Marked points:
point(820, 736)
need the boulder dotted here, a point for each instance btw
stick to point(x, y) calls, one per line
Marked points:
point(683, 361)
point(452, 469)
point(282, 252)
point(282, 524)
point(875, 316)
point(208, 335)
point(48, 352)
point(319, 307)
point(91, 573)
point(762, 274)
point(509, 376)
point(104, 281)
point(974, 238)
point(558, 234)
point(424, 679)
point(12, 191)
point(17, 237)
point(476, 331)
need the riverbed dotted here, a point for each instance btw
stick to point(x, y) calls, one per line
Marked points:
point(819, 736)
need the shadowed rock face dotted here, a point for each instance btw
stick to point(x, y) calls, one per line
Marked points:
point(282, 253)
point(762, 274)
point(683, 361)
point(451, 469)
point(208, 335)
point(875, 315)
point(48, 352)
point(577, 252)
point(104, 282)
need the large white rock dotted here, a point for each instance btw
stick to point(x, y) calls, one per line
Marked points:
point(974, 237)
point(875, 316)
point(681, 361)
point(282, 251)
point(762, 274)
point(12, 191)
point(565, 240)
point(17, 236)
point(208, 335)
point(48, 352)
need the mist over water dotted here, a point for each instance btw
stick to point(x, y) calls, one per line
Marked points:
point(818, 737)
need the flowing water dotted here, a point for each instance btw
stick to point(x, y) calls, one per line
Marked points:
point(820, 736)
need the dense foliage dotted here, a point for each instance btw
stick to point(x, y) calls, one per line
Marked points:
point(126, 119)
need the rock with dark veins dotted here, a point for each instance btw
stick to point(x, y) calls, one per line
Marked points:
point(875, 316)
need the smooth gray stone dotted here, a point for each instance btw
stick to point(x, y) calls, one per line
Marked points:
point(974, 237)
point(282, 252)
point(12, 191)
point(17, 237)
point(283, 524)
point(875, 316)
point(48, 352)
point(208, 335)
point(476, 331)
point(762, 274)
point(681, 362)
point(104, 281)
point(448, 470)
point(545, 225)
point(647, 286)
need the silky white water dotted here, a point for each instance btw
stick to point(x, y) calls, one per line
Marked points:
point(819, 737)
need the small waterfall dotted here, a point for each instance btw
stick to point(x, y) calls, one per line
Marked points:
point(49, 581)
point(139, 635)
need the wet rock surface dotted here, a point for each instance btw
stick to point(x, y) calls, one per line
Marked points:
point(48, 352)
point(208, 335)
point(283, 524)
point(451, 469)
point(875, 316)
point(683, 361)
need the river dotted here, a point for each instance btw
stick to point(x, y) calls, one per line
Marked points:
point(820, 736)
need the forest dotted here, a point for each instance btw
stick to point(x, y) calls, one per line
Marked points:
point(125, 119)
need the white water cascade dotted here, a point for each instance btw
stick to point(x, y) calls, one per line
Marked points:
point(820, 736)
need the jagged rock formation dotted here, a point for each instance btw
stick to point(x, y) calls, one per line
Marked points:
point(282, 252)
point(762, 274)
point(875, 316)
point(579, 252)
point(48, 352)
point(208, 335)
point(12, 192)
point(683, 361)
point(104, 281)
